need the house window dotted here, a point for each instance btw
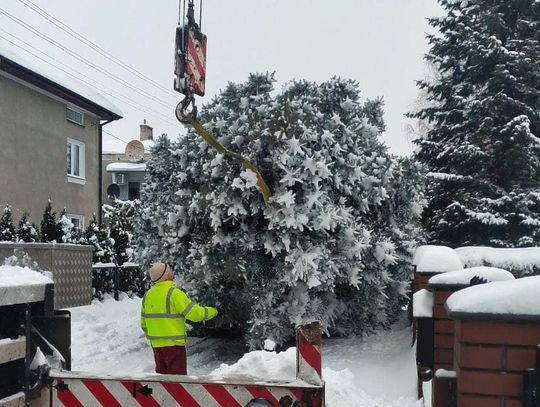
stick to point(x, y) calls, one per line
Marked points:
point(75, 159)
point(75, 116)
point(134, 190)
point(77, 220)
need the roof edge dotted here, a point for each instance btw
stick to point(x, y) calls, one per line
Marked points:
point(27, 75)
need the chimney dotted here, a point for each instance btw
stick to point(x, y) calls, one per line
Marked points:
point(147, 133)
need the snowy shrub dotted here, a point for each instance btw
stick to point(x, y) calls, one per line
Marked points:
point(7, 230)
point(26, 231)
point(119, 219)
point(20, 258)
point(99, 237)
point(48, 224)
point(334, 242)
point(66, 231)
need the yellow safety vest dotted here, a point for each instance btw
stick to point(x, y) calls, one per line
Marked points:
point(165, 309)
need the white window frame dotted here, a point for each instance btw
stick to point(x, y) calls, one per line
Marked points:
point(79, 218)
point(74, 109)
point(118, 175)
point(72, 177)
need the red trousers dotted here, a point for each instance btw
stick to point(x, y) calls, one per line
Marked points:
point(171, 360)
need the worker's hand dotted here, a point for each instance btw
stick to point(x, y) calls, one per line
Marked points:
point(212, 312)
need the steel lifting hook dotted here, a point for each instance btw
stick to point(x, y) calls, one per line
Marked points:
point(182, 114)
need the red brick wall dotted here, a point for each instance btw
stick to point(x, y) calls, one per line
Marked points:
point(443, 341)
point(489, 358)
point(420, 281)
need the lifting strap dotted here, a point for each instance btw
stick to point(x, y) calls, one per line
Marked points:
point(261, 183)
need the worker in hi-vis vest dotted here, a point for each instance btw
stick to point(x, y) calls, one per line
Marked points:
point(165, 309)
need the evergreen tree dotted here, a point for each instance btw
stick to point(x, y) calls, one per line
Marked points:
point(66, 231)
point(334, 242)
point(119, 218)
point(26, 231)
point(48, 224)
point(98, 236)
point(7, 230)
point(482, 145)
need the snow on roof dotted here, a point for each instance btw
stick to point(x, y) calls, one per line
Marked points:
point(518, 297)
point(524, 258)
point(436, 259)
point(423, 304)
point(126, 167)
point(463, 277)
point(60, 78)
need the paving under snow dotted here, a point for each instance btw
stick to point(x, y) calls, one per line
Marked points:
point(378, 371)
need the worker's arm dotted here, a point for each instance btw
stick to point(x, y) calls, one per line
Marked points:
point(191, 310)
point(143, 320)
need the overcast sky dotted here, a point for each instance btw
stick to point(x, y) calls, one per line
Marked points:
point(380, 43)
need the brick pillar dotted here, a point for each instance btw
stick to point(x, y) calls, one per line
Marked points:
point(490, 357)
point(443, 341)
point(443, 393)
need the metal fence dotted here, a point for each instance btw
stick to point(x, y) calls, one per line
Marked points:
point(107, 278)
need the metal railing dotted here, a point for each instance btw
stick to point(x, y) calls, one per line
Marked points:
point(108, 278)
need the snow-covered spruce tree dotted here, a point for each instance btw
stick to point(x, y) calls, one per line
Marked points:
point(333, 243)
point(7, 230)
point(482, 147)
point(119, 219)
point(48, 224)
point(27, 231)
point(160, 180)
point(66, 231)
point(98, 236)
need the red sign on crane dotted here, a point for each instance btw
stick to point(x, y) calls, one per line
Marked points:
point(196, 60)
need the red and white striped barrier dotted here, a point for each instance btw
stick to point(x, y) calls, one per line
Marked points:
point(196, 61)
point(77, 389)
point(308, 353)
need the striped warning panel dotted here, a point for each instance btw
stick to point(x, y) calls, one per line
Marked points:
point(308, 354)
point(117, 393)
point(196, 61)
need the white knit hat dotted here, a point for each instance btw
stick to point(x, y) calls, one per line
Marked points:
point(157, 271)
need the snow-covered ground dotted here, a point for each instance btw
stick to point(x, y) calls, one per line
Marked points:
point(378, 371)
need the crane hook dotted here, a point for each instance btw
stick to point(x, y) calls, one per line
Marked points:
point(182, 114)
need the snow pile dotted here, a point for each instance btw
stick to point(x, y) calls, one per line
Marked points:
point(106, 338)
point(516, 297)
point(436, 259)
point(11, 276)
point(423, 304)
point(520, 261)
point(463, 277)
point(262, 365)
point(352, 370)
